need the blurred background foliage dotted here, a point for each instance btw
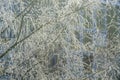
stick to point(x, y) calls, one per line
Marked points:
point(59, 40)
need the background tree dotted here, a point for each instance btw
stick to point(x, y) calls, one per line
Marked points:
point(79, 37)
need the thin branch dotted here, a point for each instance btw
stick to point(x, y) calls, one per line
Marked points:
point(31, 4)
point(15, 44)
point(21, 24)
point(20, 29)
